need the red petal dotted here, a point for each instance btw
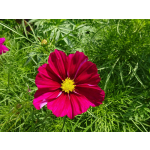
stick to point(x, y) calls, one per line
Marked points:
point(61, 106)
point(42, 82)
point(87, 74)
point(93, 93)
point(57, 62)
point(69, 104)
point(75, 61)
point(42, 96)
point(80, 104)
point(47, 72)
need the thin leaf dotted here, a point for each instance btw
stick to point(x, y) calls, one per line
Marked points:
point(14, 31)
point(108, 77)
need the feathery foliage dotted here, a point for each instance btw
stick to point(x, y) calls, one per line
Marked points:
point(119, 48)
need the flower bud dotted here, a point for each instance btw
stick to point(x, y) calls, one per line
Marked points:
point(44, 42)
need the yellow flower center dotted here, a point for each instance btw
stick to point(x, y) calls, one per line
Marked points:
point(67, 85)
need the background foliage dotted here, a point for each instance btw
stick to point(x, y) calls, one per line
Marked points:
point(119, 48)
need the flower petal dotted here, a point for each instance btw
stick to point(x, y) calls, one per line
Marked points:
point(43, 82)
point(57, 62)
point(48, 72)
point(2, 40)
point(87, 74)
point(42, 96)
point(3, 49)
point(80, 104)
point(93, 93)
point(75, 61)
point(69, 104)
point(61, 106)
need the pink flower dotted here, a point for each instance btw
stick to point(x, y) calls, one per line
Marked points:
point(68, 84)
point(3, 48)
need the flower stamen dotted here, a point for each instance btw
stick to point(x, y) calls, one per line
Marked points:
point(67, 85)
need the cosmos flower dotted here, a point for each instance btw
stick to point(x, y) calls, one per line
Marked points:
point(3, 48)
point(68, 85)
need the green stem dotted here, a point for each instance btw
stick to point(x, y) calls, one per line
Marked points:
point(63, 123)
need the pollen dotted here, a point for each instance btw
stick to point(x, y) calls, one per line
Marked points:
point(67, 85)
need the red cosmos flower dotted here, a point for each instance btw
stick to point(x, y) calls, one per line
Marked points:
point(3, 48)
point(68, 84)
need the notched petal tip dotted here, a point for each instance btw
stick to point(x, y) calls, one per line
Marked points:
point(58, 62)
point(75, 61)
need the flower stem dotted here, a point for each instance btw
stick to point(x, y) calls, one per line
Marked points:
point(63, 123)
